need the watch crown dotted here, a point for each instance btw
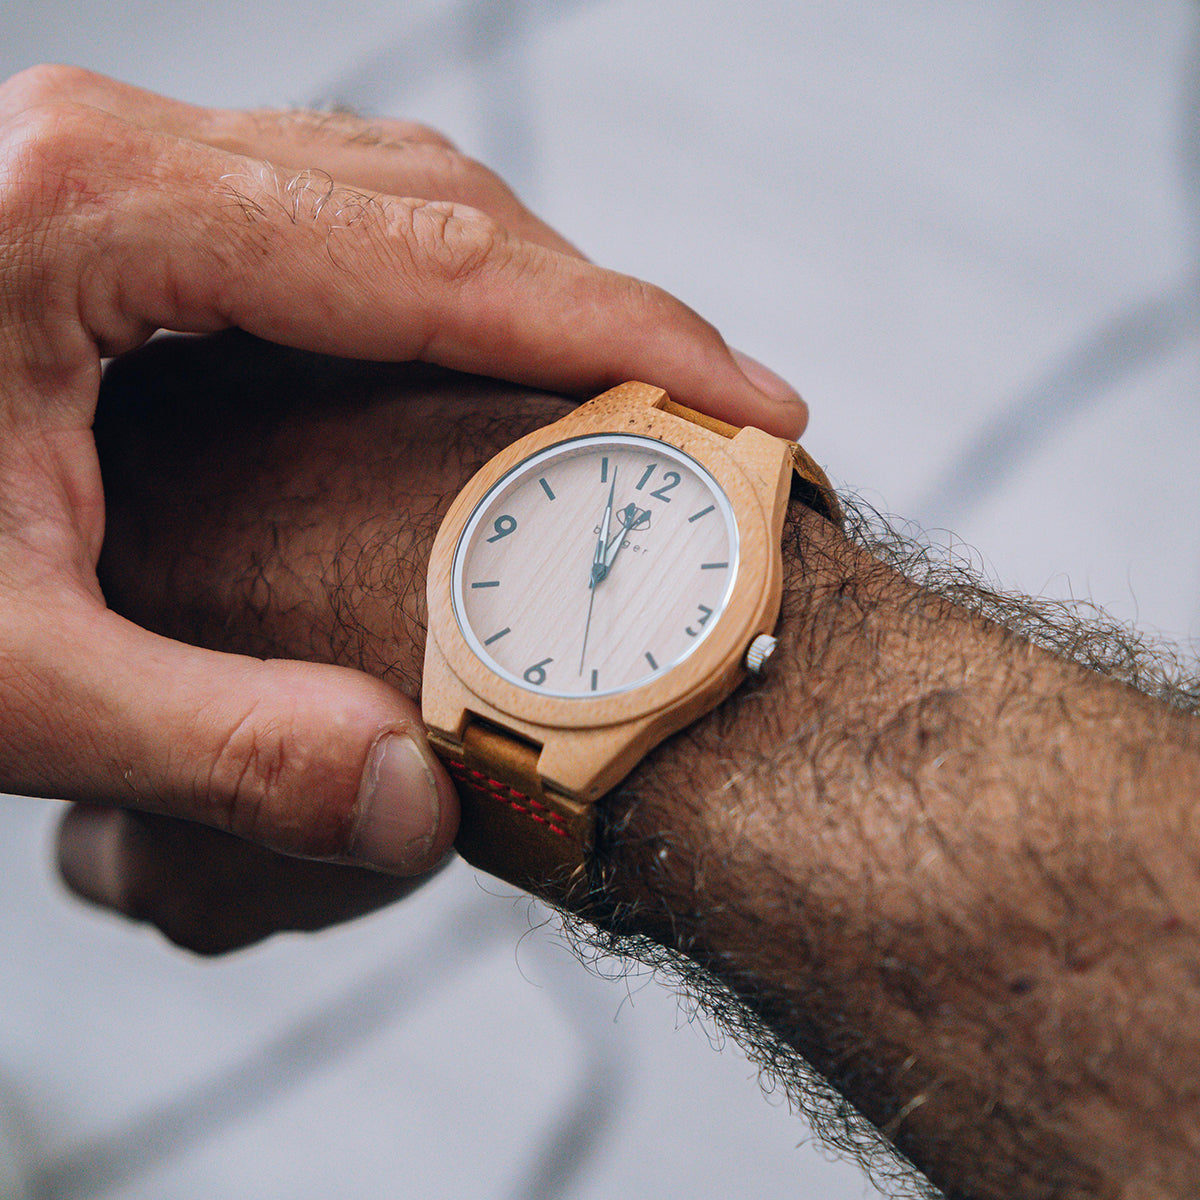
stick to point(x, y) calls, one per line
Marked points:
point(760, 650)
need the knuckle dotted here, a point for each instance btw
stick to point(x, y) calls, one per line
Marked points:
point(649, 296)
point(454, 240)
point(304, 124)
point(415, 131)
point(51, 194)
point(467, 181)
point(346, 126)
point(390, 132)
point(269, 784)
point(45, 150)
point(47, 83)
point(246, 775)
point(659, 308)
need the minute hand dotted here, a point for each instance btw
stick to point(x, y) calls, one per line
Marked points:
point(599, 558)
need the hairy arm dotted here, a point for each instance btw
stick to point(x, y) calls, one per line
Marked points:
point(954, 872)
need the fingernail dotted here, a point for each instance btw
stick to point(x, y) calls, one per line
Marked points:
point(769, 383)
point(398, 807)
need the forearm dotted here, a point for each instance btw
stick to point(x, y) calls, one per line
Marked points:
point(956, 873)
point(952, 871)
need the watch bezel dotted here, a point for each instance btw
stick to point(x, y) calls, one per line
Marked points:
point(464, 544)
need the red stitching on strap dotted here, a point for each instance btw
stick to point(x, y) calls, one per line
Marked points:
point(505, 793)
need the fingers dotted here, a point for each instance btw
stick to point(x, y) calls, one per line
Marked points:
point(306, 759)
point(123, 213)
point(312, 264)
point(391, 156)
point(205, 890)
point(53, 83)
point(179, 234)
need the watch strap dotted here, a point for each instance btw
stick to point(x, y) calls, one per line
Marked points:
point(811, 486)
point(512, 823)
point(809, 483)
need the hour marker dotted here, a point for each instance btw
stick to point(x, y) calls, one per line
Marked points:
point(650, 660)
point(702, 620)
point(645, 479)
point(702, 513)
point(595, 679)
point(546, 489)
point(487, 583)
point(604, 469)
point(497, 636)
point(713, 566)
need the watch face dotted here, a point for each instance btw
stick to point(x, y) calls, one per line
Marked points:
point(595, 566)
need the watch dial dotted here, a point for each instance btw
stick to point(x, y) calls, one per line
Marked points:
point(595, 566)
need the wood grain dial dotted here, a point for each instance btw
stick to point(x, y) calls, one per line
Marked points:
point(595, 566)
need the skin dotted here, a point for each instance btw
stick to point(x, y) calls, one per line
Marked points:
point(955, 872)
point(122, 213)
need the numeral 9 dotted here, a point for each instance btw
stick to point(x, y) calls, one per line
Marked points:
point(503, 526)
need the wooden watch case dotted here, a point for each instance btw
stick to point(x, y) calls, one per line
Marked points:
point(585, 746)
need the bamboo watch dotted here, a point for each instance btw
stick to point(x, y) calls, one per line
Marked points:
point(596, 586)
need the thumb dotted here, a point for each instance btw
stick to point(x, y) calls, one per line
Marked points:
point(308, 759)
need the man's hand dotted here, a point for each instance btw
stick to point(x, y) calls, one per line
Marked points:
point(123, 212)
point(272, 503)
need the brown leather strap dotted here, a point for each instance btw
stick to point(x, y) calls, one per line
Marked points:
point(513, 825)
point(811, 485)
point(702, 419)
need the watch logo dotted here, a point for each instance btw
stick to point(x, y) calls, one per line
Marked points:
point(631, 518)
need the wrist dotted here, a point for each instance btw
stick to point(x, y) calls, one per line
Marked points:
point(811, 767)
point(696, 798)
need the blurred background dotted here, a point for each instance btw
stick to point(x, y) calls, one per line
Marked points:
point(966, 230)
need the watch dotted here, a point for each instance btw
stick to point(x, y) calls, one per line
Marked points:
point(597, 586)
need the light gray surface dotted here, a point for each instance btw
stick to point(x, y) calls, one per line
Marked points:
point(966, 230)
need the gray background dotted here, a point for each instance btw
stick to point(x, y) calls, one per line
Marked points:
point(966, 230)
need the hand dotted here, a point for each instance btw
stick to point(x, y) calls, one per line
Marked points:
point(123, 212)
point(282, 504)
